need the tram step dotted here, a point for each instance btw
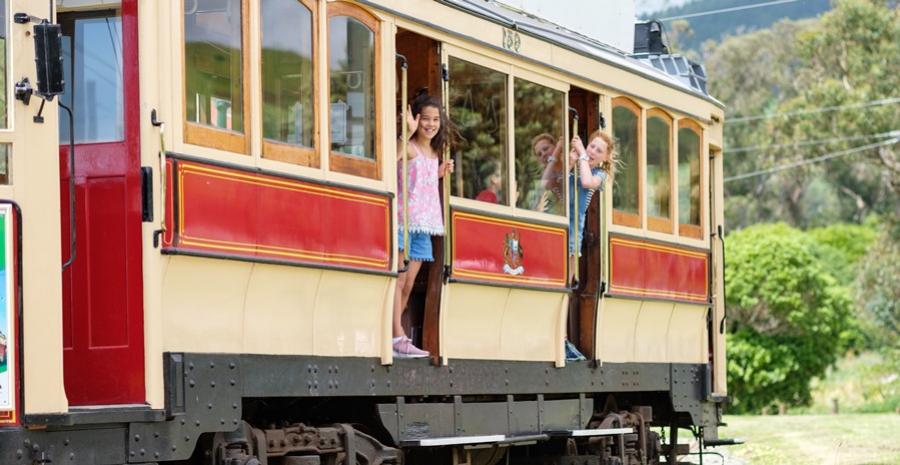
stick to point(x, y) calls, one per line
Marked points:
point(580, 433)
point(454, 441)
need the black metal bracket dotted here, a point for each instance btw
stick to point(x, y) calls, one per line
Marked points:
point(602, 121)
point(153, 119)
point(25, 18)
point(24, 91)
point(39, 117)
point(402, 59)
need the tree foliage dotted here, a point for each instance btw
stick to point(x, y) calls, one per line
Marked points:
point(786, 316)
point(849, 58)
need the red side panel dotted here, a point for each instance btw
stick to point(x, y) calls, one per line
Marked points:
point(508, 252)
point(646, 269)
point(235, 213)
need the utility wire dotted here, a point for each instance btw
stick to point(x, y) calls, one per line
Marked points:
point(872, 103)
point(804, 143)
point(812, 160)
point(728, 10)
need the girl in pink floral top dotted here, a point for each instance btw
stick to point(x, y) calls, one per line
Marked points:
point(427, 124)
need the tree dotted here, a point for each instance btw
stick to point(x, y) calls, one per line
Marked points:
point(851, 59)
point(846, 59)
point(786, 316)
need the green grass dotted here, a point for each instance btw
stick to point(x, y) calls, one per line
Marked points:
point(866, 383)
point(846, 439)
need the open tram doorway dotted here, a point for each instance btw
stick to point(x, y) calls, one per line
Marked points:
point(103, 349)
point(424, 74)
point(582, 321)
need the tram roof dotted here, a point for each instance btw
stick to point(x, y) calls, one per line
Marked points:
point(673, 70)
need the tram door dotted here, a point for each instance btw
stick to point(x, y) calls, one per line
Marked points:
point(421, 323)
point(582, 307)
point(102, 289)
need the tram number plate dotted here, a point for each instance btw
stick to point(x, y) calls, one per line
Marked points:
point(511, 40)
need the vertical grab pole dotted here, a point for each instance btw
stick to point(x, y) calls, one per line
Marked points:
point(404, 131)
point(445, 91)
point(575, 214)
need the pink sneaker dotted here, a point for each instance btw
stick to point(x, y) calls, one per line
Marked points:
point(404, 348)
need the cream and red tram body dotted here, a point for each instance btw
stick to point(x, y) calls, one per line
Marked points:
point(228, 286)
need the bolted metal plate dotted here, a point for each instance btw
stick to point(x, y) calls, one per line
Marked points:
point(211, 394)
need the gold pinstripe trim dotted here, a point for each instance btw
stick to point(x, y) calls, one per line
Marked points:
point(657, 292)
point(502, 277)
point(295, 186)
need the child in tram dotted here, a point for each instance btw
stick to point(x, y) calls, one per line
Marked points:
point(493, 182)
point(427, 123)
point(595, 165)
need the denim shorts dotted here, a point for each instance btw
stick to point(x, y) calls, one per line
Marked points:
point(419, 246)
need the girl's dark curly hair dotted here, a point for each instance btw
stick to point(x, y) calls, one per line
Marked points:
point(445, 135)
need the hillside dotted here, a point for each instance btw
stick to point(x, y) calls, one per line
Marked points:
point(717, 26)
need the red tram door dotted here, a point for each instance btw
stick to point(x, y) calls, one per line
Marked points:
point(102, 289)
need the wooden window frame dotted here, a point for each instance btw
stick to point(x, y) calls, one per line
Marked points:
point(506, 69)
point(693, 230)
point(207, 136)
point(619, 217)
point(656, 223)
point(282, 151)
point(363, 167)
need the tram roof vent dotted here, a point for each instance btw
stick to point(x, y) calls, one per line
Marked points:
point(688, 72)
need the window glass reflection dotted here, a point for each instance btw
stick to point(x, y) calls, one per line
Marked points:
point(540, 161)
point(287, 79)
point(213, 57)
point(625, 191)
point(658, 169)
point(688, 177)
point(351, 59)
point(478, 108)
point(92, 67)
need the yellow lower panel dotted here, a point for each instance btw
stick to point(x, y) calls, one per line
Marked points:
point(279, 311)
point(651, 341)
point(203, 304)
point(229, 306)
point(348, 314)
point(615, 331)
point(687, 334)
point(483, 322)
point(642, 331)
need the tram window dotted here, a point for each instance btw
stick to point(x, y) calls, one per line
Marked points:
point(92, 53)
point(287, 81)
point(214, 72)
point(540, 155)
point(3, 65)
point(659, 146)
point(689, 179)
point(352, 45)
point(478, 108)
point(5, 172)
point(626, 190)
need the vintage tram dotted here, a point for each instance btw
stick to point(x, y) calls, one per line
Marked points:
point(199, 266)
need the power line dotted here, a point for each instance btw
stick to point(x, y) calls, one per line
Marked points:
point(804, 143)
point(728, 10)
point(812, 160)
point(872, 103)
